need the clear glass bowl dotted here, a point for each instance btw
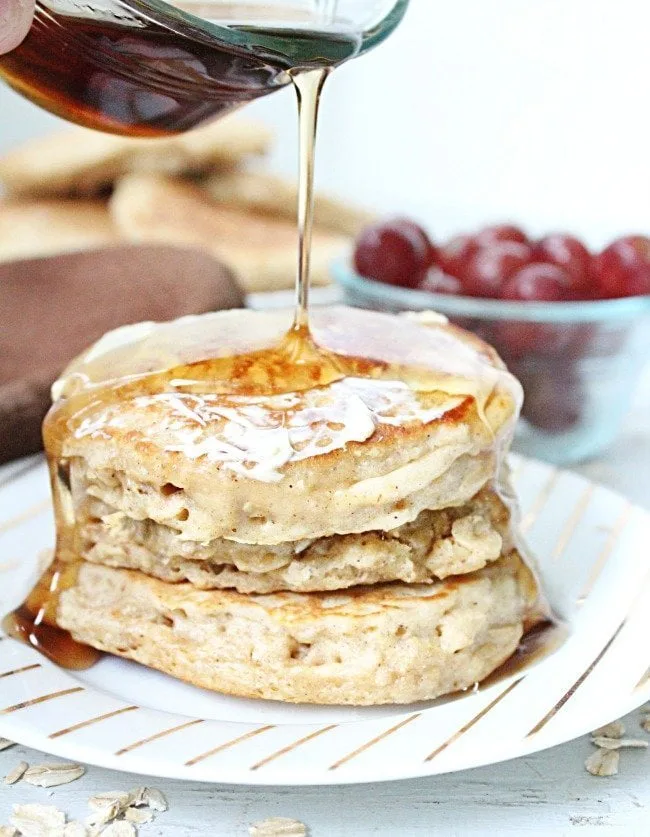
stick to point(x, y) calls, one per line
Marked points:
point(579, 362)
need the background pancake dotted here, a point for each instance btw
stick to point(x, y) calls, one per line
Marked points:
point(261, 248)
point(83, 162)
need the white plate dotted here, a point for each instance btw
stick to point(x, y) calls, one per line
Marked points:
point(593, 551)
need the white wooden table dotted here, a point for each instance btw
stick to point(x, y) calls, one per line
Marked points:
point(547, 794)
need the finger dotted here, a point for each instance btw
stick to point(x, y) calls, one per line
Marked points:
point(15, 20)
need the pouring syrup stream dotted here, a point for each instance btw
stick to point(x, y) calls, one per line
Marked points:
point(309, 87)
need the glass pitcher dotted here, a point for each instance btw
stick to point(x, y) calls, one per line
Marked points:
point(146, 68)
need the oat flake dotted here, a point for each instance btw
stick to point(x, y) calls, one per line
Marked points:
point(7, 831)
point(5, 743)
point(620, 743)
point(278, 827)
point(107, 799)
point(107, 809)
point(38, 820)
point(603, 763)
point(16, 774)
point(152, 798)
point(54, 774)
point(614, 730)
point(139, 816)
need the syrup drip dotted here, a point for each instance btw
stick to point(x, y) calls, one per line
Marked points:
point(315, 350)
point(541, 638)
point(34, 621)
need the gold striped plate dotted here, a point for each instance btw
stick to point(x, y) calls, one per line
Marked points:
point(592, 547)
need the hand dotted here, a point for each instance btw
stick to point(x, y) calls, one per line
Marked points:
point(15, 20)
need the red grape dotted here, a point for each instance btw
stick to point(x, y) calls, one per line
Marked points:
point(571, 255)
point(517, 339)
point(437, 282)
point(454, 256)
point(553, 398)
point(538, 283)
point(492, 266)
point(623, 268)
point(397, 252)
point(501, 232)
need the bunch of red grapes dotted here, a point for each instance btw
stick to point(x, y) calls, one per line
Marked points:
point(501, 262)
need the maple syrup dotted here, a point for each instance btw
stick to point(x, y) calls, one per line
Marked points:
point(32, 623)
point(128, 71)
point(541, 638)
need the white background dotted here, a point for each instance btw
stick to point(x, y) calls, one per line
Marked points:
point(476, 110)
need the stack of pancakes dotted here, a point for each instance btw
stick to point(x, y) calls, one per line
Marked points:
point(347, 544)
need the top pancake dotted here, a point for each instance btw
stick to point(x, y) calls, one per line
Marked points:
point(348, 455)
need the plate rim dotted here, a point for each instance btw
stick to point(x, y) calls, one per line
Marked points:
point(241, 778)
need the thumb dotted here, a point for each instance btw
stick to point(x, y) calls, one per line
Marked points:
point(15, 20)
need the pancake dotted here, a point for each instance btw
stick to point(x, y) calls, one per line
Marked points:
point(387, 644)
point(435, 545)
point(261, 249)
point(31, 228)
point(271, 194)
point(353, 456)
point(84, 162)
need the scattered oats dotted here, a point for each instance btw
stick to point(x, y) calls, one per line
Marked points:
point(278, 827)
point(151, 798)
point(603, 763)
point(113, 804)
point(614, 730)
point(7, 831)
point(645, 723)
point(119, 829)
point(16, 774)
point(619, 743)
point(75, 829)
point(5, 743)
point(38, 820)
point(51, 775)
point(139, 816)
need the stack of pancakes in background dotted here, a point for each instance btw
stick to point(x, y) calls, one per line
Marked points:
point(83, 190)
point(348, 544)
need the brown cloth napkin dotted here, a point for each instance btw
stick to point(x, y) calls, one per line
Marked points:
point(53, 308)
